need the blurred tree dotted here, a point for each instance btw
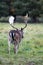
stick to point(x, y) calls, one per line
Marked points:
point(3, 9)
point(20, 7)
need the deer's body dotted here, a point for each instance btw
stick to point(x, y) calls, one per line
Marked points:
point(15, 36)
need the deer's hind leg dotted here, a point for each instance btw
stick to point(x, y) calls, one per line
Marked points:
point(16, 46)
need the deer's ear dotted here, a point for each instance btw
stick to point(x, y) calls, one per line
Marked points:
point(21, 29)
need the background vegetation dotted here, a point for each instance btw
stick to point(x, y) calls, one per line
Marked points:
point(34, 8)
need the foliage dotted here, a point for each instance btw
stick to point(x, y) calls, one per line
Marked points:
point(28, 5)
point(21, 7)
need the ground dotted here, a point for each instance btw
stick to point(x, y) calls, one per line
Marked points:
point(30, 51)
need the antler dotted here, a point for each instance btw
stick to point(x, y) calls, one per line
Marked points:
point(24, 27)
point(13, 26)
point(11, 21)
point(25, 20)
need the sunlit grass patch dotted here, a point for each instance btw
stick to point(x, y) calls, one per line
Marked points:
point(30, 49)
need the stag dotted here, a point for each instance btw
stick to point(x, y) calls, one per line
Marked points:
point(15, 37)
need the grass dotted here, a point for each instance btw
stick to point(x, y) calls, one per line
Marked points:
point(30, 51)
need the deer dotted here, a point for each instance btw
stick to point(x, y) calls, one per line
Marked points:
point(15, 36)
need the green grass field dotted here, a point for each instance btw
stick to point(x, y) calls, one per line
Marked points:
point(30, 51)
